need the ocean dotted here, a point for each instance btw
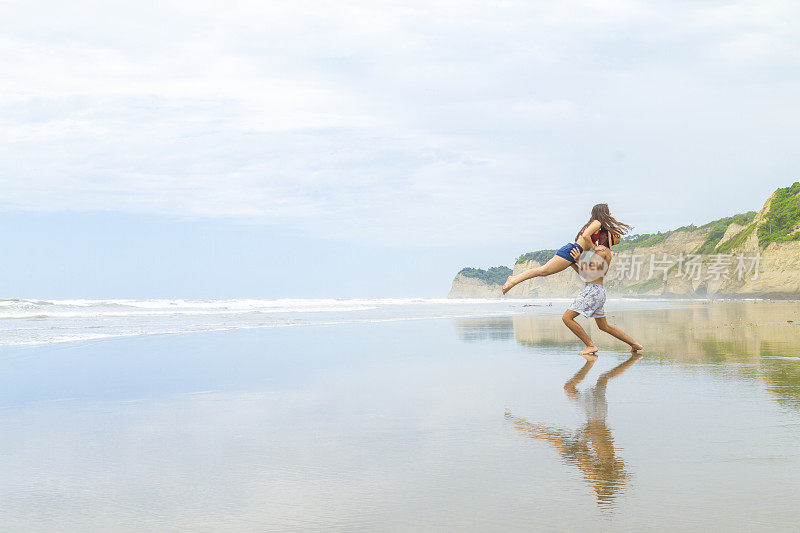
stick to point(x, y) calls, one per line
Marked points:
point(31, 322)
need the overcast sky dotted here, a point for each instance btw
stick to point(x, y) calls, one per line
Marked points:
point(389, 143)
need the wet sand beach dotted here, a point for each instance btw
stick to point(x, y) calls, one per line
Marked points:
point(479, 423)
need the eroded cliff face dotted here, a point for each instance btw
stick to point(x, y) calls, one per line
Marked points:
point(733, 265)
point(464, 287)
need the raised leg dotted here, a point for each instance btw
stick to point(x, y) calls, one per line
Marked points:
point(555, 265)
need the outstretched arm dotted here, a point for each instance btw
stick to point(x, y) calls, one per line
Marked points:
point(590, 230)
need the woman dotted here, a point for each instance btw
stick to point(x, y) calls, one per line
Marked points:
point(586, 239)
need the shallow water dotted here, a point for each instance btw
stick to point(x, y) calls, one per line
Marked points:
point(479, 423)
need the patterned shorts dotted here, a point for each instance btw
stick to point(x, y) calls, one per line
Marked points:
point(590, 301)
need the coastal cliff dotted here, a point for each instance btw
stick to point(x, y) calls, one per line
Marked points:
point(478, 283)
point(750, 255)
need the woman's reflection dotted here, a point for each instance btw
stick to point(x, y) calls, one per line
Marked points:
point(591, 447)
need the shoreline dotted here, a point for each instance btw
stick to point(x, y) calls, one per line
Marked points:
point(43, 331)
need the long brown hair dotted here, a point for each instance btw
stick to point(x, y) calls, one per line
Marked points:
point(607, 222)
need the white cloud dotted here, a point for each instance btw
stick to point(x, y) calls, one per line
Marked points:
point(418, 122)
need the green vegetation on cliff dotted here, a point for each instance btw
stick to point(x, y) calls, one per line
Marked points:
point(736, 241)
point(783, 217)
point(493, 276)
point(718, 228)
point(642, 240)
point(780, 223)
point(540, 256)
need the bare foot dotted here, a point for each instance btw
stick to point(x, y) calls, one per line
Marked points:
point(591, 357)
point(635, 347)
point(589, 350)
point(508, 284)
